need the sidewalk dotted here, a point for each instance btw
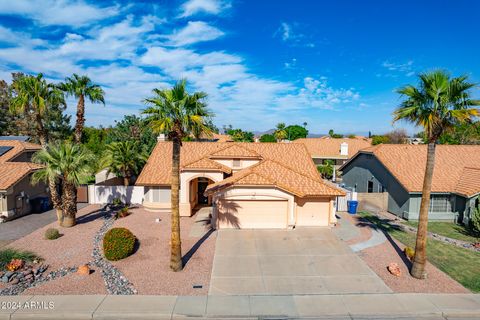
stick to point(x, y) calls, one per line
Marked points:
point(365, 306)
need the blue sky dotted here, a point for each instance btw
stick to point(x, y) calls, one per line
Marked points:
point(333, 64)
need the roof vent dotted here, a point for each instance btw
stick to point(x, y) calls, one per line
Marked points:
point(344, 149)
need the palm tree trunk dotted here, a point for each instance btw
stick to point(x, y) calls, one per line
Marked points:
point(80, 119)
point(52, 185)
point(420, 259)
point(176, 245)
point(126, 181)
point(69, 205)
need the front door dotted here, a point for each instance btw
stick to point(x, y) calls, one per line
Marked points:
point(202, 185)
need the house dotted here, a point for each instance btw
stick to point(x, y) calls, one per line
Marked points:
point(393, 175)
point(16, 169)
point(338, 150)
point(249, 185)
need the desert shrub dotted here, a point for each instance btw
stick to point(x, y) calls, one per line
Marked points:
point(7, 255)
point(117, 202)
point(409, 252)
point(122, 213)
point(52, 234)
point(118, 243)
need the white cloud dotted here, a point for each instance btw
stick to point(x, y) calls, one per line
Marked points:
point(195, 31)
point(192, 7)
point(63, 12)
point(286, 31)
point(396, 68)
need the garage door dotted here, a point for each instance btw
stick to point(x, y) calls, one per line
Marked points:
point(252, 214)
point(313, 212)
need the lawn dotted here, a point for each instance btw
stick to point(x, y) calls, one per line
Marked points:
point(449, 229)
point(460, 264)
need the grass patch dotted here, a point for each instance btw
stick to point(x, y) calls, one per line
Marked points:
point(449, 229)
point(6, 255)
point(460, 264)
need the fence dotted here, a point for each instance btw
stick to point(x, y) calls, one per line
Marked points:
point(342, 201)
point(98, 194)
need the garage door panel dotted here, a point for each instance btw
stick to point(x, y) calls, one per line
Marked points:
point(252, 214)
point(313, 213)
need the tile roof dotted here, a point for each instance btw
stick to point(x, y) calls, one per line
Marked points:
point(287, 164)
point(235, 151)
point(456, 166)
point(327, 147)
point(17, 148)
point(207, 164)
point(270, 172)
point(12, 172)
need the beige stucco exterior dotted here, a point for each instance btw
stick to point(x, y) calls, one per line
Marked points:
point(312, 211)
point(237, 164)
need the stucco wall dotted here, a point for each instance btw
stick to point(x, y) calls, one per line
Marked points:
point(244, 163)
point(414, 210)
point(366, 168)
point(13, 201)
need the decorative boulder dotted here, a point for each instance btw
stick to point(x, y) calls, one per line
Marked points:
point(83, 270)
point(394, 269)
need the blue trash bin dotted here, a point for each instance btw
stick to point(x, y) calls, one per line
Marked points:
point(352, 206)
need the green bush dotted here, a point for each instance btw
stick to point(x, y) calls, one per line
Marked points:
point(122, 213)
point(52, 234)
point(476, 220)
point(117, 202)
point(118, 243)
point(7, 255)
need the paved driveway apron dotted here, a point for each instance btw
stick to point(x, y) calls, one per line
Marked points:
point(300, 261)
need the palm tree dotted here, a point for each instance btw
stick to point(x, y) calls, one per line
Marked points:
point(175, 112)
point(438, 104)
point(34, 96)
point(280, 132)
point(69, 164)
point(124, 160)
point(82, 87)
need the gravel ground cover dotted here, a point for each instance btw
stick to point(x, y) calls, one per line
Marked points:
point(145, 272)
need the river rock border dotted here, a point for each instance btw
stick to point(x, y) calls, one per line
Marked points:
point(115, 282)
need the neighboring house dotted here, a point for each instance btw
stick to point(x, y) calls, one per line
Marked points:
point(249, 185)
point(397, 171)
point(214, 137)
point(337, 149)
point(16, 190)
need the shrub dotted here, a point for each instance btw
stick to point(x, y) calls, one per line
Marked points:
point(118, 243)
point(7, 255)
point(409, 252)
point(15, 264)
point(475, 221)
point(52, 234)
point(117, 202)
point(122, 213)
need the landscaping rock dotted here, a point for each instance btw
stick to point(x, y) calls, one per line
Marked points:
point(394, 269)
point(14, 281)
point(83, 270)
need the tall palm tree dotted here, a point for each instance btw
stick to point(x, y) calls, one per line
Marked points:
point(176, 112)
point(81, 87)
point(34, 96)
point(280, 132)
point(69, 164)
point(437, 104)
point(124, 160)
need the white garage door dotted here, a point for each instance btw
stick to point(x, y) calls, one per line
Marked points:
point(252, 214)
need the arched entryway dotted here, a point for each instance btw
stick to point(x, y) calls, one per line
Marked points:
point(197, 187)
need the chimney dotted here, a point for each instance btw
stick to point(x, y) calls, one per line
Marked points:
point(161, 137)
point(344, 149)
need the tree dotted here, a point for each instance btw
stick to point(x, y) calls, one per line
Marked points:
point(295, 132)
point(268, 138)
point(176, 112)
point(35, 97)
point(397, 136)
point(135, 129)
point(238, 135)
point(437, 104)
point(326, 169)
point(280, 133)
point(462, 134)
point(69, 164)
point(81, 87)
point(332, 134)
point(380, 139)
point(124, 160)
point(305, 124)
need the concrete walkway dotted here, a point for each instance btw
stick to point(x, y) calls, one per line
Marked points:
point(345, 230)
point(378, 237)
point(19, 228)
point(367, 306)
point(202, 223)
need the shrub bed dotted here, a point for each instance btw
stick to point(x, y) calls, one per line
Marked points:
point(52, 234)
point(118, 243)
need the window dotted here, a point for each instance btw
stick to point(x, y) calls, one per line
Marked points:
point(370, 186)
point(236, 163)
point(440, 203)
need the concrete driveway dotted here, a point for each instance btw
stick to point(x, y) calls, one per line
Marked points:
point(300, 261)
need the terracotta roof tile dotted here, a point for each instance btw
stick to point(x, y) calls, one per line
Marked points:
point(469, 183)
point(12, 172)
point(17, 148)
point(284, 163)
point(206, 163)
point(407, 164)
point(235, 151)
point(327, 147)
